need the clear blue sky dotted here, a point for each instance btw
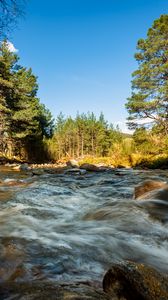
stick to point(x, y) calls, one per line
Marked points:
point(83, 51)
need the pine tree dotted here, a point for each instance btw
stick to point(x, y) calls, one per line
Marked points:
point(58, 137)
point(84, 135)
point(24, 120)
point(7, 63)
point(149, 100)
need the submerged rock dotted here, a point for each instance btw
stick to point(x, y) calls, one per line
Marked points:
point(75, 171)
point(153, 196)
point(11, 259)
point(37, 171)
point(45, 291)
point(142, 190)
point(101, 214)
point(132, 281)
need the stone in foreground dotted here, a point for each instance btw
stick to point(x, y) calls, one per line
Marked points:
point(49, 291)
point(133, 281)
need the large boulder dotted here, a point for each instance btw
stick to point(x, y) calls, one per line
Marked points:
point(144, 190)
point(153, 197)
point(132, 281)
point(11, 261)
point(90, 167)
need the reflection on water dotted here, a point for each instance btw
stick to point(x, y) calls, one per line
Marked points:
point(72, 228)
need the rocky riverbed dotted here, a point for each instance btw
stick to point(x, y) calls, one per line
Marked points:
point(61, 231)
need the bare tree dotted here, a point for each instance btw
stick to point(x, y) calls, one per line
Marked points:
point(10, 11)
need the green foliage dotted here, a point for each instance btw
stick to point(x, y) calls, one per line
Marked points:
point(149, 99)
point(82, 136)
point(152, 141)
point(142, 140)
point(158, 163)
point(150, 161)
point(24, 120)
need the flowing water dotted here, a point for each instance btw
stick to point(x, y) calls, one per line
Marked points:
point(69, 228)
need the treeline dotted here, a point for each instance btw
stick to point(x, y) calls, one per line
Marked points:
point(84, 135)
point(24, 121)
point(27, 129)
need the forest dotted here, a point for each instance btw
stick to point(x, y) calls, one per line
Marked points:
point(29, 132)
point(82, 213)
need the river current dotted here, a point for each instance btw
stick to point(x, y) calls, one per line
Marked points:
point(70, 227)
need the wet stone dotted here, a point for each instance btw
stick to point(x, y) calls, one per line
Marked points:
point(48, 291)
point(37, 172)
point(135, 281)
point(91, 167)
point(76, 171)
point(153, 197)
point(147, 186)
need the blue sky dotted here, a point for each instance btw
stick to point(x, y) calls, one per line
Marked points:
point(83, 51)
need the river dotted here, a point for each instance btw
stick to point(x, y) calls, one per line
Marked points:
point(69, 228)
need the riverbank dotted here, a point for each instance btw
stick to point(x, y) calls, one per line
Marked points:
point(134, 160)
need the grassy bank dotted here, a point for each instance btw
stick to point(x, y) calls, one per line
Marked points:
point(134, 160)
